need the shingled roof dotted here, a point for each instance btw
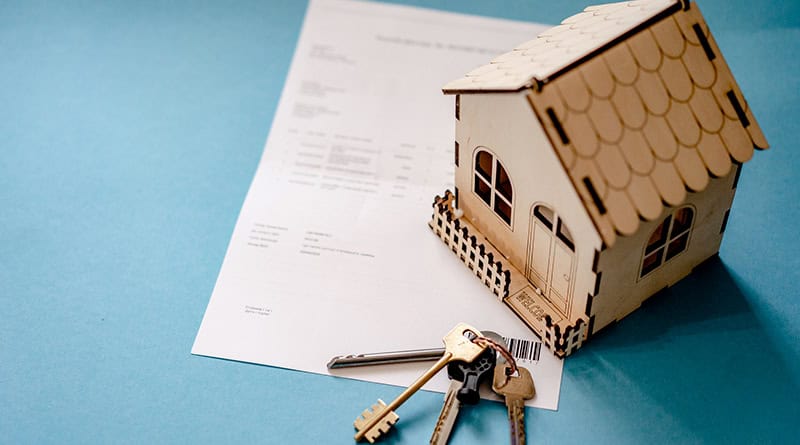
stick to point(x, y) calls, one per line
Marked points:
point(638, 103)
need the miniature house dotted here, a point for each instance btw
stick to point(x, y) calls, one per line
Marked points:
point(595, 165)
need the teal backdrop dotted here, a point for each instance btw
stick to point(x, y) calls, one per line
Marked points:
point(129, 134)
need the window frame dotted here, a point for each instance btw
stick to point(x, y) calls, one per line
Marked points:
point(656, 253)
point(485, 185)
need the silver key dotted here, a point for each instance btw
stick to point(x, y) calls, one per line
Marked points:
point(515, 389)
point(387, 358)
point(447, 417)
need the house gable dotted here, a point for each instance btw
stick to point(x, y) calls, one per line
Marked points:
point(505, 126)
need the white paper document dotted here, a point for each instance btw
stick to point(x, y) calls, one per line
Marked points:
point(332, 253)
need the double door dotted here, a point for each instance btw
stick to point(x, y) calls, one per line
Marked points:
point(551, 257)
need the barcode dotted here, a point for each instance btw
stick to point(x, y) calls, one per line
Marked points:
point(524, 349)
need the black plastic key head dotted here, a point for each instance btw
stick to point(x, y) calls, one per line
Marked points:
point(472, 375)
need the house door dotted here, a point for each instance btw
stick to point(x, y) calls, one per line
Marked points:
point(551, 257)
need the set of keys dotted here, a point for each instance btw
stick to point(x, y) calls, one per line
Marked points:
point(471, 359)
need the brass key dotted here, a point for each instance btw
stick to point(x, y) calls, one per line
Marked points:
point(380, 418)
point(515, 389)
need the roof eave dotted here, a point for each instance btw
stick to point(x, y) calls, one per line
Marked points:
point(480, 91)
point(533, 83)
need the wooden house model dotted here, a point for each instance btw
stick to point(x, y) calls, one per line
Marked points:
point(595, 165)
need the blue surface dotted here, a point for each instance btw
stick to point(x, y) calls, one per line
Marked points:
point(129, 134)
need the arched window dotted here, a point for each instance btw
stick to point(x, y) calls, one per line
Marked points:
point(670, 238)
point(493, 185)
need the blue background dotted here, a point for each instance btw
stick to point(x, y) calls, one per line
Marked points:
point(129, 134)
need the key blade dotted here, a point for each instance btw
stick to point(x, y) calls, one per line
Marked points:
point(385, 358)
point(447, 416)
point(516, 421)
point(515, 389)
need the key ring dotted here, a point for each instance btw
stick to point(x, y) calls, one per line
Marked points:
point(486, 342)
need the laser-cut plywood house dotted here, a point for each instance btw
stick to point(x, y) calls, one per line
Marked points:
point(595, 165)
